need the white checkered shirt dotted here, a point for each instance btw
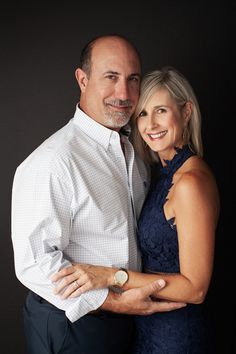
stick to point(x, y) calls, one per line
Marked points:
point(74, 200)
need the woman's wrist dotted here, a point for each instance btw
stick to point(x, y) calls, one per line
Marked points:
point(111, 278)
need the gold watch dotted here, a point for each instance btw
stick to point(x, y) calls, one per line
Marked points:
point(121, 277)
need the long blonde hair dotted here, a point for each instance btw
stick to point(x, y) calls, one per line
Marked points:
point(181, 91)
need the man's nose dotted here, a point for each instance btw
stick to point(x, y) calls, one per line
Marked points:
point(122, 90)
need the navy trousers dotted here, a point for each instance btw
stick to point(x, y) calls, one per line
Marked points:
point(48, 331)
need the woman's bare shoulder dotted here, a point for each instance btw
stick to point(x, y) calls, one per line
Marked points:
point(195, 177)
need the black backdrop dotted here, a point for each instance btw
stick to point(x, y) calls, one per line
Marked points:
point(40, 47)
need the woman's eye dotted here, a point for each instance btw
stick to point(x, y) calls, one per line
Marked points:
point(161, 110)
point(142, 114)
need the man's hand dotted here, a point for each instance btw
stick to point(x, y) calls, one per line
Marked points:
point(138, 301)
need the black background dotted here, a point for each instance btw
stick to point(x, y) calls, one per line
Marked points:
point(40, 48)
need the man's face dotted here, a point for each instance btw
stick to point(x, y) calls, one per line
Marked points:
point(111, 92)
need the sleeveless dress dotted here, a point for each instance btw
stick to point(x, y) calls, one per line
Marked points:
point(180, 331)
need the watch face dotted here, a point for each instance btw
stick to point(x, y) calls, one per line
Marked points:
point(121, 277)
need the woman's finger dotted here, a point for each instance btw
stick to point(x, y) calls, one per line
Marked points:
point(81, 290)
point(66, 281)
point(62, 273)
point(74, 286)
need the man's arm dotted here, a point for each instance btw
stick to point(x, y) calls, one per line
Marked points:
point(138, 301)
point(41, 224)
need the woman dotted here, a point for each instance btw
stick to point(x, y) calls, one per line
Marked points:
point(176, 229)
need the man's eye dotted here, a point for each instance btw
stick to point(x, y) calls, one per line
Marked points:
point(111, 77)
point(134, 78)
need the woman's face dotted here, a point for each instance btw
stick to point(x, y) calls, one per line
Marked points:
point(161, 123)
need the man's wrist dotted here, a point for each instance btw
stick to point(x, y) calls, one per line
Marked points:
point(112, 302)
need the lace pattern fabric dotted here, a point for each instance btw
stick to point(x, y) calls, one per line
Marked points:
point(180, 331)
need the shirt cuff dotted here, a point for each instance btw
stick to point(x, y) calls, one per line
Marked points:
point(87, 302)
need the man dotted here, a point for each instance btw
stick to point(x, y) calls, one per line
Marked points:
point(76, 198)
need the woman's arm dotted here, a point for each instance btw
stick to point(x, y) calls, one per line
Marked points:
point(196, 207)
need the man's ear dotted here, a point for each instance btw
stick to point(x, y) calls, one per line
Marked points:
point(81, 78)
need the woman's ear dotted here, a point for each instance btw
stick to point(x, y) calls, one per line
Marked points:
point(187, 112)
point(81, 78)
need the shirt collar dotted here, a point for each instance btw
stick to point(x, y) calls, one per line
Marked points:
point(94, 130)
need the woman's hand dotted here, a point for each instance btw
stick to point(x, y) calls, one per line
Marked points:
point(79, 278)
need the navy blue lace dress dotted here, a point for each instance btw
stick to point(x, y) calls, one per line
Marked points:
point(180, 331)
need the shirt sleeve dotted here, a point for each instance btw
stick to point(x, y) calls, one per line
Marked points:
point(41, 221)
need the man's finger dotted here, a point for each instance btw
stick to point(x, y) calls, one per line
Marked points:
point(164, 306)
point(151, 288)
